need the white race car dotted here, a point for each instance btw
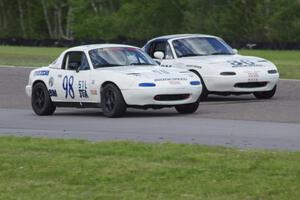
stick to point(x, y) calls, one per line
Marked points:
point(220, 68)
point(113, 77)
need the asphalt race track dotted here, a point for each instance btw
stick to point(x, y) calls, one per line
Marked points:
point(239, 121)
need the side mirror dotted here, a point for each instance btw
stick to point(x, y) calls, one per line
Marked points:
point(235, 51)
point(159, 55)
point(77, 68)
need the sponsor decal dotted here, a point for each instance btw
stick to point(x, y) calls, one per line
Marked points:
point(170, 79)
point(93, 92)
point(67, 86)
point(243, 63)
point(41, 73)
point(166, 65)
point(160, 71)
point(174, 82)
point(82, 87)
point(51, 81)
point(252, 76)
point(52, 93)
point(194, 66)
point(83, 94)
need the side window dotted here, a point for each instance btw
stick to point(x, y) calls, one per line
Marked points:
point(150, 49)
point(160, 46)
point(84, 63)
point(168, 53)
point(156, 46)
point(75, 60)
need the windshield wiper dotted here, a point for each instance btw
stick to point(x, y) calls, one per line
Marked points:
point(140, 64)
point(108, 65)
point(191, 54)
point(220, 53)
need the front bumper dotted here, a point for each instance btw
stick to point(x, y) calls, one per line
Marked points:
point(145, 96)
point(28, 90)
point(231, 83)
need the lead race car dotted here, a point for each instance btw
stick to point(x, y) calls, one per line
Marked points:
point(220, 68)
point(112, 77)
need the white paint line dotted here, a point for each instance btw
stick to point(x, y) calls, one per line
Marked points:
point(283, 79)
point(11, 66)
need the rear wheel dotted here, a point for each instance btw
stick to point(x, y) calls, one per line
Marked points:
point(40, 100)
point(113, 104)
point(187, 108)
point(266, 94)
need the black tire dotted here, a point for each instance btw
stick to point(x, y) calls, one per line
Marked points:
point(266, 94)
point(40, 100)
point(205, 92)
point(113, 104)
point(187, 108)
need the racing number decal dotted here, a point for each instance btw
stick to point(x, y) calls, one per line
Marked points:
point(68, 86)
point(241, 63)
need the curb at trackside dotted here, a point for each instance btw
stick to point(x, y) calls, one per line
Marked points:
point(26, 67)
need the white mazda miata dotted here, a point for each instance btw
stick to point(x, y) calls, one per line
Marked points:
point(220, 68)
point(112, 77)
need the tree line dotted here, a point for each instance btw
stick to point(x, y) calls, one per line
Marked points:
point(234, 20)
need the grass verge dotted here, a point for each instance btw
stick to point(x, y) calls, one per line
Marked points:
point(28, 56)
point(73, 169)
point(288, 62)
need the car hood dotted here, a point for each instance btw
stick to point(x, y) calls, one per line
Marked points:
point(226, 61)
point(150, 72)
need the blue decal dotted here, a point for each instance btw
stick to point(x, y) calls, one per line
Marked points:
point(68, 86)
point(147, 84)
point(195, 83)
point(41, 73)
point(52, 93)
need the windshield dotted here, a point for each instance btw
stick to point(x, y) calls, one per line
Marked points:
point(200, 46)
point(119, 56)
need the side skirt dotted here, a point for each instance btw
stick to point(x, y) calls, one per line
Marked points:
point(77, 104)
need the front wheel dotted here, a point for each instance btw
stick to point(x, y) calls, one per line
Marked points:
point(266, 94)
point(40, 100)
point(113, 104)
point(187, 108)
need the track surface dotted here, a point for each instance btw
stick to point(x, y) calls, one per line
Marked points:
point(240, 121)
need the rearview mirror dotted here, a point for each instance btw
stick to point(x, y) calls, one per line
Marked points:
point(235, 51)
point(159, 55)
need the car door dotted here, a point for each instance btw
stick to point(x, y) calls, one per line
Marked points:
point(72, 81)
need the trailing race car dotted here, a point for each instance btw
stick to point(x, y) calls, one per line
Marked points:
point(112, 77)
point(221, 70)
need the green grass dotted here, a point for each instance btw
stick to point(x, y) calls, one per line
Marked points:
point(288, 62)
point(72, 169)
point(28, 56)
